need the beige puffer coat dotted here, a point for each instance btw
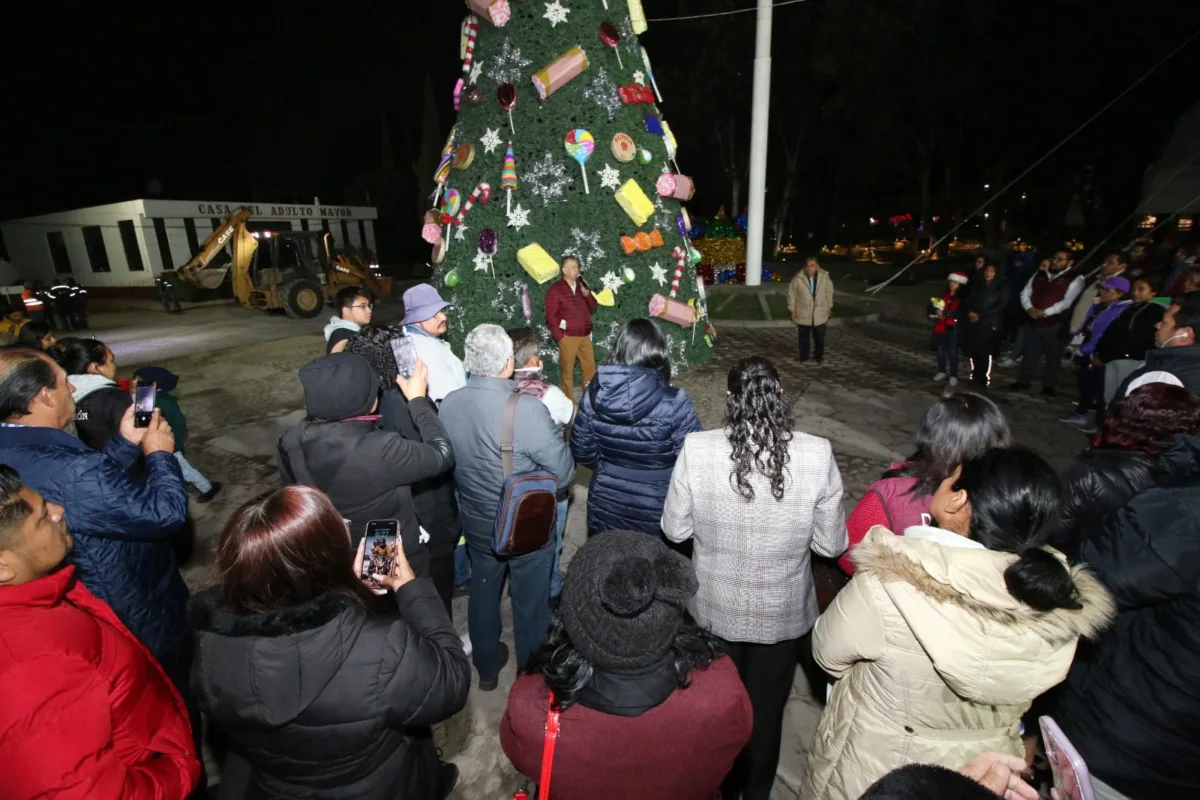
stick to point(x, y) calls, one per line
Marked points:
point(805, 308)
point(936, 661)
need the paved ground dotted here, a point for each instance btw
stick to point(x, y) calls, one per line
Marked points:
point(867, 398)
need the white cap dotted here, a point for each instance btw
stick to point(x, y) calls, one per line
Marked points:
point(1154, 376)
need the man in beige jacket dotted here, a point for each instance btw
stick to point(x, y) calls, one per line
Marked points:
point(810, 300)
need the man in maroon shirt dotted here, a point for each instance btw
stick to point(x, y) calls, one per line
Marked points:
point(569, 309)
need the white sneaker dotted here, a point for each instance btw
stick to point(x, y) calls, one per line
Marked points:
point(941, 376)
point(954, 381)
point(466, 643)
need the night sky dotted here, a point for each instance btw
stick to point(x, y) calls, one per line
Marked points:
point(284, 101)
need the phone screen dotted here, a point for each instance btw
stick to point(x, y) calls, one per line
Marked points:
point(143, 405)
point(379, 553)
point(1072, 781)
point(405, 353)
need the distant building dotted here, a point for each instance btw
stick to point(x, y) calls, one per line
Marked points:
point(1171, 191)
point(116, 250)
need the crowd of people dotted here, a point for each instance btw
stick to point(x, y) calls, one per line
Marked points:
point(981, 590)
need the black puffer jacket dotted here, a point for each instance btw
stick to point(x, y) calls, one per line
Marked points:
point(986, 300)
point(326, 701)
point(368, 472)
point(1096, 485)
point(1130, 335)
point(99, 406)
point(1130, 704)
point(1182, 362)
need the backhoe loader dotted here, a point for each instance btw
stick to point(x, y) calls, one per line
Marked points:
point(298, 271)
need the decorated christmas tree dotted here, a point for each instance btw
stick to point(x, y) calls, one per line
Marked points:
point(561, 150)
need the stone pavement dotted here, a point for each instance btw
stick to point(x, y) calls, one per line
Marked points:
point(867, 398)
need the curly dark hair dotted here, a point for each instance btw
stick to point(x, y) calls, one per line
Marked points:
point(374, 343)
point(758, 421)
point(1148, 418)
point(567, 671)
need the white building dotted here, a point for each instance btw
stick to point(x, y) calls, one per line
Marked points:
point(117, 249)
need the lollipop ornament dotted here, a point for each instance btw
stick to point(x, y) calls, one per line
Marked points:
point(612, 38)
point(508, 178)
point(506, 95)
point(650, 74)
point(580, 146)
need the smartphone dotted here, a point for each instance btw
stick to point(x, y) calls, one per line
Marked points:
point(405, 353)
point(1072, 781)
point(379, 554)
point(143, 405)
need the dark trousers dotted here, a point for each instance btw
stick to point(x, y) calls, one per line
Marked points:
point(441, 572)
point(1090, 382)
point(817, 332)
point(981, 367)
point(767, 671)
point(947, 352)
point(530, 590)
point(1042, 342)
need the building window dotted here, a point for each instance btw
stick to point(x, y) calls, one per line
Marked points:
point(303, 224)
point(1185, 223)
point(93, 240)
point(216, 222)
point(345, 234)
point(362, 235)
point(58, 253)
point(325, 225)
point(164, 243)
point(133, 253)
point(189, 227)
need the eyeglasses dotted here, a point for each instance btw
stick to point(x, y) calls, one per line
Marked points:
point(363, 305)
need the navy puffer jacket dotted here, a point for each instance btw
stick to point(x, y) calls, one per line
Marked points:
point(629, 430)
point(122, 526)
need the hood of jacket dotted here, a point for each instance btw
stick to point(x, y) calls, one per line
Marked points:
point(955, 602)
point(627, 393)
point(337, 323)
point(83, 385)
point(265, 670)
point(1179, 464)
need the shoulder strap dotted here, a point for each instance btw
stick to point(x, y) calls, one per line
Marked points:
point(552, 729)
point(506, 433)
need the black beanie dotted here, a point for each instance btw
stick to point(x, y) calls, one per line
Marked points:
point(339, 386)
point(623, 599)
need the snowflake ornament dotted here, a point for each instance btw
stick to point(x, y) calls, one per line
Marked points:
point(659, 273)
point(556, 12)
point(585, 248)
point(610, 339)
point(508, 66)
point(548, 179)
point(461, 233)
point(610, 178)
point(519, 218)
point(613, 281)
point(663, 218)
point(639, 78)
point(483, 262)
point(491, 140)
point(603, 92)
point(476, 71)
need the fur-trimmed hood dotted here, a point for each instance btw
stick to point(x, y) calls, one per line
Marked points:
point(956, 603)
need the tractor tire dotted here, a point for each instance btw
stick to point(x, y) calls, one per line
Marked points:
point(303, 299)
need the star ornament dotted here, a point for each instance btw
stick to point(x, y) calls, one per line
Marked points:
point(556, 12)
point(610, 178)
point(461, 233)
point(613, 281)
point(476, 71)
point(519, 218)
point(483, 261)
point(491, 140)
point(658, 273)
point(639, 78)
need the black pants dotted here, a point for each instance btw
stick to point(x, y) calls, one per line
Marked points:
point(1039, 343)
point(818, 337)
point(441, 572)
point(767, 671)
point(1090, 382)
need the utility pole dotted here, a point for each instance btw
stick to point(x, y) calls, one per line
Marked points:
point(760, 119)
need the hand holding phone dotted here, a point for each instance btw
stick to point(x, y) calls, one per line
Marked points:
point(144, 397)
point(416, 385)
point(1072, 781)
point(380, 558)
point(405, 353)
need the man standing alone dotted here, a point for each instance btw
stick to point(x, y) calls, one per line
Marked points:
point(569, 309)
point(810, 300)
point(1047, 299)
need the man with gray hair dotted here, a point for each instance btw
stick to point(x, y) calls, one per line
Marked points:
point(473, 417)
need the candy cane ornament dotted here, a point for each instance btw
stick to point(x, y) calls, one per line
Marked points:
point(680, 261)
point(470, 32)
point(482, 194)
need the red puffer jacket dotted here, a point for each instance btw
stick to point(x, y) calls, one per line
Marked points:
point(87, 712)
point(576, 308)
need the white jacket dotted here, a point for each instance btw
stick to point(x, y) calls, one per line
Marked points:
point(446, 371)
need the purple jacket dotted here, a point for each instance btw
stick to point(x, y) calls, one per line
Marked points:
point(1100, 318)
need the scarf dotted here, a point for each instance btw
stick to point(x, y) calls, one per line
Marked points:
point(630, 693)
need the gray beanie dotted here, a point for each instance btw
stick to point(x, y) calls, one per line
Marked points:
point(623, 599)
point(339, 386)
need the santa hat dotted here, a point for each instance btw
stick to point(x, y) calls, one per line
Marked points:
point(958, 277)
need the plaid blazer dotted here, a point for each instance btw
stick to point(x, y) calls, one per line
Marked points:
point(752, 557)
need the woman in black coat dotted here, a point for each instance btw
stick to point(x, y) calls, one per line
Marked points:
point(1122, 348)
point(985, 324)
point(99, 403)
point(323, 690)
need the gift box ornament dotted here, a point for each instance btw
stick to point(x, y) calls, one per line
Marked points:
point(634, 201)
point(559, 72)
point(671, 310)
point(497, 12)
point(537, 262)
point(680, 187)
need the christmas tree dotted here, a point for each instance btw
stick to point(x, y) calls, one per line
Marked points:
point(560, 149)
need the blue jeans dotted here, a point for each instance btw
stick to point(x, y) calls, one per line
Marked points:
point(560, 527)
point(462, 565)
point(530, 592)
point(193, 475)
point(947, 352)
